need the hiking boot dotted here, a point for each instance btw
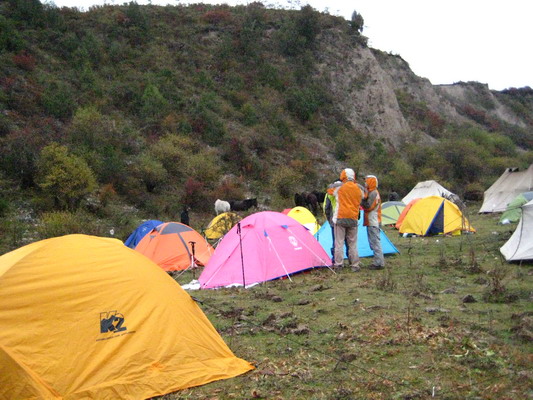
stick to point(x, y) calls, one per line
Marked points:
point(356, 269)
point(375, 267)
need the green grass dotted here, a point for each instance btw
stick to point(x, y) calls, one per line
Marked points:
point(389, 334)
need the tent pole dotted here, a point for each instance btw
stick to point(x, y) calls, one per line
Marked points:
point(242, 258)
point(193, 263)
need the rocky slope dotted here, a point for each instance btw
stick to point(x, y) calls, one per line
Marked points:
point(369, 86)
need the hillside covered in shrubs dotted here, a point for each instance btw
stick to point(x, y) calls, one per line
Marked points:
point(128, 112)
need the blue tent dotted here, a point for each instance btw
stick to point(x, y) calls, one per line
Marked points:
point(140, 232)
point(324, 238)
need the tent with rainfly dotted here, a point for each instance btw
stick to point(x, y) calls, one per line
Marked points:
point(175, 246)
point(510, 184)
point(434, 215)
point(305, 217)
point(220, 225)
point(325, 239)
point(263, 246)
point(520, 244)
point(390, 211)
point(85, 317)
point(427, 189)
point(513, 212)
point(141, 231)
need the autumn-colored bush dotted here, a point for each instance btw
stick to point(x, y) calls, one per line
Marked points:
point(64, 177)
point(24, 60)
point(196, 195)
point(217, 17)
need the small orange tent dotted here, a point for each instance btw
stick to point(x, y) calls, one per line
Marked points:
point(174, 246)
point(84, 317)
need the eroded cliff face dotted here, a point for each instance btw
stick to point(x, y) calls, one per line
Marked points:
point(366, 83)
point(363, 91)
point(464, 94)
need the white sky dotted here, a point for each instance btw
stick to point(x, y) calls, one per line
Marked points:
point(446, 41)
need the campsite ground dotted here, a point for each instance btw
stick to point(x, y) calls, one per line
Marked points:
point(448, 318)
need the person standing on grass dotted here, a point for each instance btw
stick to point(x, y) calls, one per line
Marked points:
point(372, 207)
point(184, 216)
point(329, 206)
point(348, 198)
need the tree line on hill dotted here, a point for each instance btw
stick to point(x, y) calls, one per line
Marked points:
point(148, 108)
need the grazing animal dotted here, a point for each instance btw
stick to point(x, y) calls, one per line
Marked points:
point(242, 205)
point(299, 200)
point(311, 202)
point(221, 206)
point(320, 196)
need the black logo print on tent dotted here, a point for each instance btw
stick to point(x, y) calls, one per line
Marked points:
point(111, 321)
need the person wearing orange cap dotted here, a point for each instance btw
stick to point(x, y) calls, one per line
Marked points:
point(345, 218)
point(372, 207)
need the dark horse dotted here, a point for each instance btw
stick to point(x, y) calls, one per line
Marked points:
point(242, 205)
point(309, 200)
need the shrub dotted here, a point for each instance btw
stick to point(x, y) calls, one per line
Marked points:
point(195, 195)
point(4, 206)
point(10, 38)
point(58, 100)
point(150, 171)
point(289, 42)
point(285, 180)
point(230, 188)
point(249, 115)
point(304, 102)
point(249, 34)
point(217, 17)
point(64, 177)
point(59, 223)
point(210, 128)
point(153, 104)
point(24, 60)
point(19, 151)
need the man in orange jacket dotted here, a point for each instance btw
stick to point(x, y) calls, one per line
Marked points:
point(348, 198)
point(372, 207)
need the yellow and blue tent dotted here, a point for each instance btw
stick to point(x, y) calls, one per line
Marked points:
point(434, 215)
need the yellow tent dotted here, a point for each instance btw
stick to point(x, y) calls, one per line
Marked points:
point(220, 225)
point(84, 317)
point(305, 217)
point(434, 215)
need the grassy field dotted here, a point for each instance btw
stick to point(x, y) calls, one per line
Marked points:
point(447, 319)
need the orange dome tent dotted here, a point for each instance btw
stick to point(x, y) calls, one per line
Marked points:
point(170, 245)
point(85, 317)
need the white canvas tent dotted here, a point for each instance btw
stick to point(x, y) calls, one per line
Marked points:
point(429, 188)
point(520, 244)
point(509, 185)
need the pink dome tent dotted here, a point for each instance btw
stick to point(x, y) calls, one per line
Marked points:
point(263, 246)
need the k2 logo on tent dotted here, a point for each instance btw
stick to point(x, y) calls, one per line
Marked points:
point(111, 321)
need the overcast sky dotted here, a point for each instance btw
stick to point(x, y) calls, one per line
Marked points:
point(446, 41)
